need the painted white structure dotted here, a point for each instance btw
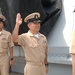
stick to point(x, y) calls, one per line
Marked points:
point(59, 41)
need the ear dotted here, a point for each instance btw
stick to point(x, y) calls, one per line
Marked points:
point(28, 25)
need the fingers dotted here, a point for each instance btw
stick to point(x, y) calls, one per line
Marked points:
point(19, 16)
point(18, 19)
point(11, 62)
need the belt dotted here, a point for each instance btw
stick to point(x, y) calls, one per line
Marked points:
point(2, 54)
point(36, 63)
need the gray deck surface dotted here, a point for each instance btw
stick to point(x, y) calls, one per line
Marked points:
point(14, 73)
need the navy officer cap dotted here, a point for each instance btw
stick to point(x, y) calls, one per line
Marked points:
point(33, 17)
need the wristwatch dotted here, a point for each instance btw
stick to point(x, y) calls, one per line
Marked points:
point(11, 59)
point(46, 64)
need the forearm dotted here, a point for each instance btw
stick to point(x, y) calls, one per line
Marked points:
point(15, 34)
point(11, 52)
point(11, 56)
point(46, 64)
point(45, 61)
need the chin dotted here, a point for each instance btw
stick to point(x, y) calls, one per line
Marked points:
point(37, 30)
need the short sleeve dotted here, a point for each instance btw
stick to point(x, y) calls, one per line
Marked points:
point(21, 40)
point(10, 42)
point(72, 42)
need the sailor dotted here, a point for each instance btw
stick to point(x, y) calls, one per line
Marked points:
point(34, 44)
point(6, 44)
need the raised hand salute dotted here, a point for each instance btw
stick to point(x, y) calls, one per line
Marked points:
point(18, 19)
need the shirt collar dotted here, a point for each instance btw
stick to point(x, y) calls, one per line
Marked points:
point(39, 34)
point(3, 31)
point(30, 34)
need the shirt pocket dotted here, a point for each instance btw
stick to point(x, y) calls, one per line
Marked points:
point(44, 44)
point(33, 45)
point(4, 44)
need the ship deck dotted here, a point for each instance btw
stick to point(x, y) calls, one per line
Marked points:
point(15, 73)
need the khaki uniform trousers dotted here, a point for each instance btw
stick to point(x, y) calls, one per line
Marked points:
point(34, 69)
point(4, 65)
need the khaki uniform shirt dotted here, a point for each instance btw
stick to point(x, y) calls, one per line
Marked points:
point(5, 41)
point(34, 49)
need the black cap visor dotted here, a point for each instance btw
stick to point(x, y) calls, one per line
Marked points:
point(34, 20)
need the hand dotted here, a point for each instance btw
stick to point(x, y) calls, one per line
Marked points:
point(18, 19)
point(11, 62)
point(46, 69)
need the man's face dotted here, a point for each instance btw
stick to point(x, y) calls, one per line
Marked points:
point(1, 25)
point(34, 26)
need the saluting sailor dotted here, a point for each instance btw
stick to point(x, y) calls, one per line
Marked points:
point(34, 44)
